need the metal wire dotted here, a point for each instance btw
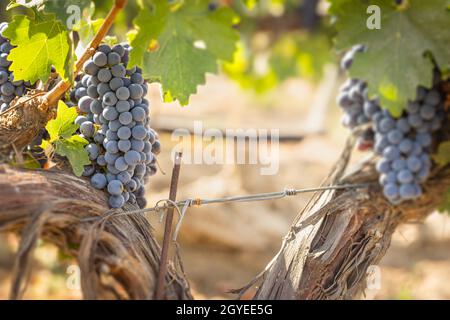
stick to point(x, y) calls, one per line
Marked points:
point(181, 206)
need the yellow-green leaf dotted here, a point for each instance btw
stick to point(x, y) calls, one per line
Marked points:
point(63, 125)
point(40, 43)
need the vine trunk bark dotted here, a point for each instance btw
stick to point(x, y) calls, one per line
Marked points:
point(118, 257)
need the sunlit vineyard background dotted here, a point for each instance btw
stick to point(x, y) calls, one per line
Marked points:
point(224, 246)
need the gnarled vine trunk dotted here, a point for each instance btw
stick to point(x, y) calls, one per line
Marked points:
point(327, 252)
point(118, 257)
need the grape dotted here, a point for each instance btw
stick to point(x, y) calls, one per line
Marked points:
point(386, 124)
point(125, 118)
point(116, 201)
point(115, 187)
point(80, 119)
point(136, 91)
point(403, 125)
point(433, 97)
point(124, 145)
point(415, 120)
point(110, 158)
point(126, 196)
point(3, 77)
point(87, 129)
point(114, 125)
point(118, 71)
point(424, 139)
point(101, 160)
point(138, 114)
point(391, 191)
point(92, 92)
point(110, 113)
point(124, 177)
point(405, 176)
point(99, 181)
point(96, 107)
point(7, 89)
point(104, 48)
point(115, 83)
point(121, 164)
point(102, 89)
point(414, 164)
point(111, 146)
point(132, 157)
point(139, 132)
point(88, 171)
point(391, 153)
point(104, 75)
point(427, 112)
point(119, 49)
point(100, 59)
point(84, 104)
point(92, 150)
point(413, 107)
point(111, 135)
point(156, 147)
point(131, 186)
point(137, 78)
point(123, 93)
point(123, 106)
point(137, 145)
point(124, 133)
point(399, 164)
point(142, 202)
point(113, 58)
point(395, 136)
point(405, 146)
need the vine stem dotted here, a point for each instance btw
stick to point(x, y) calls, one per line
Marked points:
point(51, 97)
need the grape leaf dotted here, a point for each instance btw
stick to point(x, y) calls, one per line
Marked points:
point(73, 150)
point(41, 41)
point(443, 154)
point(177, 43)
point(395, 62)
point(63, 125)
point(63, 141)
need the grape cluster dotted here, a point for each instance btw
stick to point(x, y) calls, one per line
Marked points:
point(354, 101)
point(9, 89)
point(403, 143)
point(114, 119)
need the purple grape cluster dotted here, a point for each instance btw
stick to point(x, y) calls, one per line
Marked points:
point(355, 103)
point(114, 119)
point(402, 143)
point(9, 89)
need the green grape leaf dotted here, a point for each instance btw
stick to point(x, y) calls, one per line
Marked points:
point(395, 62)
point(63, 139)
point(177, 43)
point(63, 125)
point(442, 157)
point(445, 204)
point(73, 150)
point(41, 42)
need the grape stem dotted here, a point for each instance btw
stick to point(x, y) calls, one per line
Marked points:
point(51, 97)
